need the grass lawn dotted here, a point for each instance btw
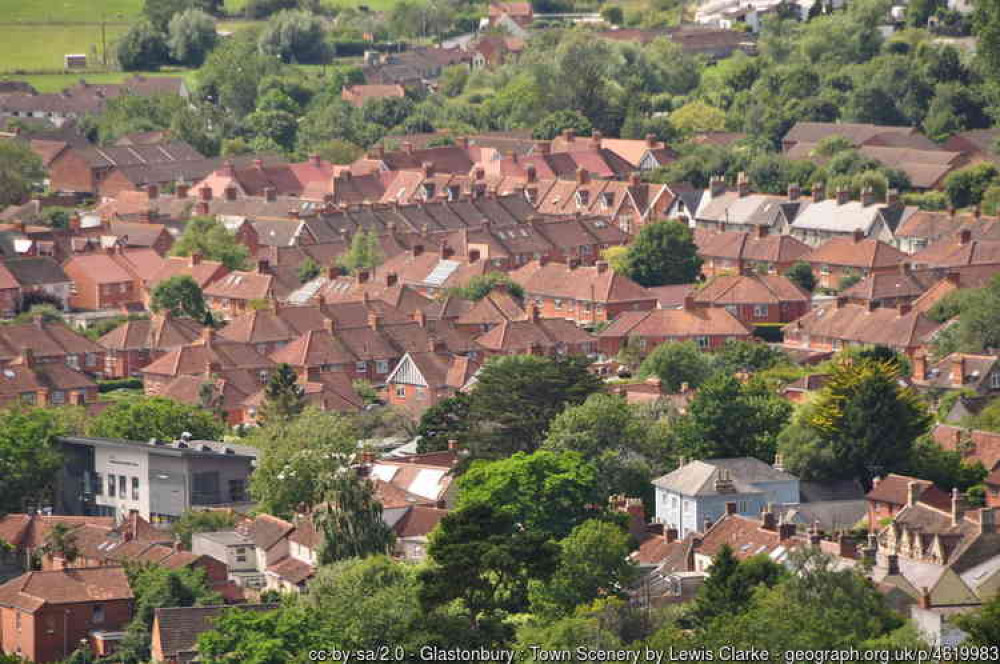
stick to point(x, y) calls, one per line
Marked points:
point(42, 47)
point(68, 10)
point(59, 82)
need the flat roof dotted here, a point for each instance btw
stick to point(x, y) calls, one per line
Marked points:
point(182, 448)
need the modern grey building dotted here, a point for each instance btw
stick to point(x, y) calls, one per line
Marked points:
point(236, 550)
point(159, 479)
point(697, 492)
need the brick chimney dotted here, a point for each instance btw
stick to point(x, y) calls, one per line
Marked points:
point(569, 135)
point(230, 192)
point(724, 481)
point(920, 366)
point(925, 598)
point(859, 235)
point(670, 533)
point(595, 140)
point(270, 194)
point(742, 184)
point(446, 251)
point(794, 192)
point(417, 250)
point(958, 370)
point(956, 507)
point(194, 259)
point(28, 358)
point(363, 276)
point(987, 520)
point(892, 198)
point(581, 175)
point(374, 321)
point(408, 147)
point(531, 174)
point(152, 191)
point(428, 168)
point(651, 140)
point(182, 188)
point(420, 317)
point(843, 196)
point(912, 493)
point(634, 179)
point(964, 236)
point(602, 266)
point(786, 531)
point(716, 185)
point(768, 520)
point(867, 196)
point(819, 192)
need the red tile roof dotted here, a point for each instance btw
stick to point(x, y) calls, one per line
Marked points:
point(33, 590)
point(676, 323)
point(585, 283)
point(864, 253)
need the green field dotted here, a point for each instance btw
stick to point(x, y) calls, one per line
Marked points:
point(59, 82)
point(68, 10)
point(42, 47)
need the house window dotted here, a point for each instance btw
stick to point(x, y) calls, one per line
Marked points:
point(642, 343)
point(241, 554)
point(237, 491)
point(73, 361)
point(995, 380)
point(824, 269)
point(361, 367)
point(382, 366)
point(123, 288)
point(744, 506)
point(688, 506)
point(98, 484)
point(28, 398)
point(760, 311)
point(122, 487)
point(90, 359)
point(58, 396)
point(97, 616)
point(111, 485)
point(558, 304)
point(135, 488)
point(731, 308)
point(702, 342)
point(262, 375)
point(401, 391)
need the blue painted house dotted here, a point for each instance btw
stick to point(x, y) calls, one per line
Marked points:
point(698, 491)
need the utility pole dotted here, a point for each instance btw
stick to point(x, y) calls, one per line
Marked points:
point(104, 42)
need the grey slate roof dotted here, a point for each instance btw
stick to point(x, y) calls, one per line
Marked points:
point(698, 477)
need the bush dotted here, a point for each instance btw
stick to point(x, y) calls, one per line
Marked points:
point(141, 48)
point(112, 384)
point(295, 36)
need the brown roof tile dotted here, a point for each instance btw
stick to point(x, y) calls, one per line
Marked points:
point(33, 590)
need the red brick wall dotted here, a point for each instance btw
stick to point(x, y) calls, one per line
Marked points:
point(611, 345)
point(115, 183)
point(784, 312)
point(9, 300)
point(584, 312)
point(412, 399)
point(52, 633)
point(877, 511)
point(70, 172)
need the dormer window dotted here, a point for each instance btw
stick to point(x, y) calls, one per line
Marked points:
point(428, 188)
point(453, 193)
point(582, 198)
point(531, 195)
point(607, 199)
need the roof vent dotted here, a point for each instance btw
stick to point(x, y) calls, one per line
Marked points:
point(229, 450)
point(207, 448)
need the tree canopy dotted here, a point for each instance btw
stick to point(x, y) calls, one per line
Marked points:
point(207, 237)
point(180, 295)
point(143, 418)
point(663, 253)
